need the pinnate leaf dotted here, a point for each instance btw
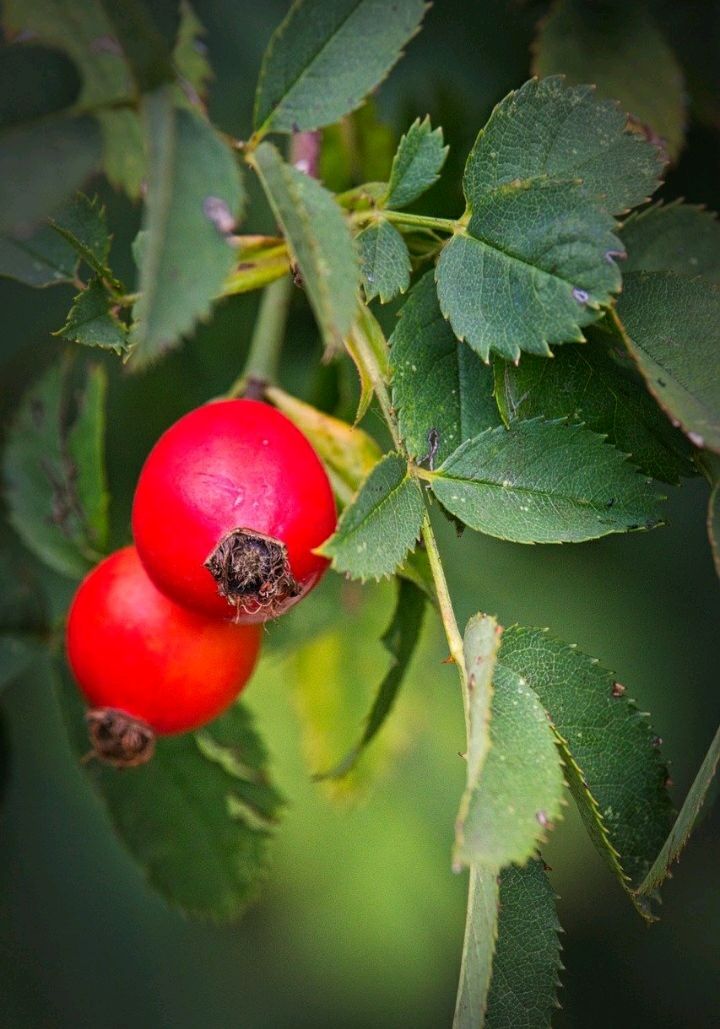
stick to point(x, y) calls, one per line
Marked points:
point(437, 383)
point(416, 165)
point(92, 321)
point(326, 56)
point(612, 759)
point(672, 327)
point(677, 237)
point(198, 817)
point(384, 261)
point(585, 384)
point(544, 482)
point(400, 639)
point(378, 529)
point(625, 55)
point(318, 238)
point(195, 194)
point(54, 472)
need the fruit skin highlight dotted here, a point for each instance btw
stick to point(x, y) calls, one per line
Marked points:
point(146, 665)
point(228, 509)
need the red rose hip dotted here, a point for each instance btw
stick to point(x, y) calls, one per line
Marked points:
point(228, 509)
point(146, 665)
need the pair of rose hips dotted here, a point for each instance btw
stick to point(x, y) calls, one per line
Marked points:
point(161, 637)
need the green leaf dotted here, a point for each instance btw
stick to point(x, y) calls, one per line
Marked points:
point(517, 796)
point(384, 261)
point(549, 131)
point(437, 383)
point(685, 821)
point(82, 30)
point(480, 643)
point(378, 529)
point(534, 265)
point(319, 241)
point(674, 237)
point(326, 56)
point(123, 149)
point(526, 967)
point(54, 473)
point(585, 384)
point(16, 653)
point(83, 225)
point(39, 260)
point(146, 49)
point(368, 348)
point(195, 195)
point(190, 53)
point(673, 333)
point(42, 163)
point(481, 927)
point(198, 817)
point(416, 165)
point(399, 639)
point(544, 482)
point(612, 760)
point(348, 453)
point(92, 321)
point(624, 53)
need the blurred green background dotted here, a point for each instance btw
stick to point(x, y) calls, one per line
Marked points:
point(360, 923)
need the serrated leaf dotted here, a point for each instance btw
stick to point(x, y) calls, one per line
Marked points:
point(83, 225)
point(318, 238)
point(92, 321)
point(42, 163)
point(83, 31)
point(39, 260)
point(685, 821)
point(16, 653)
point(672, 325)
point(378, 529)
point(481, 926)
point(123, 149)
point(527, 965)
point(534, 265)
point(517, 795)
point(547, 130)
point(399, 639)
point(195, 195)
point(348, 453)
point(624, 53)
point(190, 53)
point(54, 472)
point(674, 237)
point(416, 165)
point(615, 770)
point(480, 643)
point(544, 482)
point(585, 384)
point(384, 261)
point(326, 56)
point(198, 817)
point(436, 382)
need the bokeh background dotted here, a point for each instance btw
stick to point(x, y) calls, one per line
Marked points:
point(360, 922)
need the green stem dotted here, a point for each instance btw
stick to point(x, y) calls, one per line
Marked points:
point(267, 338)
point(418, 221)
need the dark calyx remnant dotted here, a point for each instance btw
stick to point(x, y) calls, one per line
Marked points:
point(252, 572)
point(118, 738)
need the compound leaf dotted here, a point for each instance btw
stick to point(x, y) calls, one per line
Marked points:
point(436, 382)
point(674, 237)
point(318, 238)
point(612, 760)
point(544, 482)
point(194, 197)
point(378, 529)
point(326, 56)
point(92, 321)
point(416, 165)
point(198, 817)
point(672, 327)
point(624, 53)
point(384, 261)
point(585, 384)
point(54, 472)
